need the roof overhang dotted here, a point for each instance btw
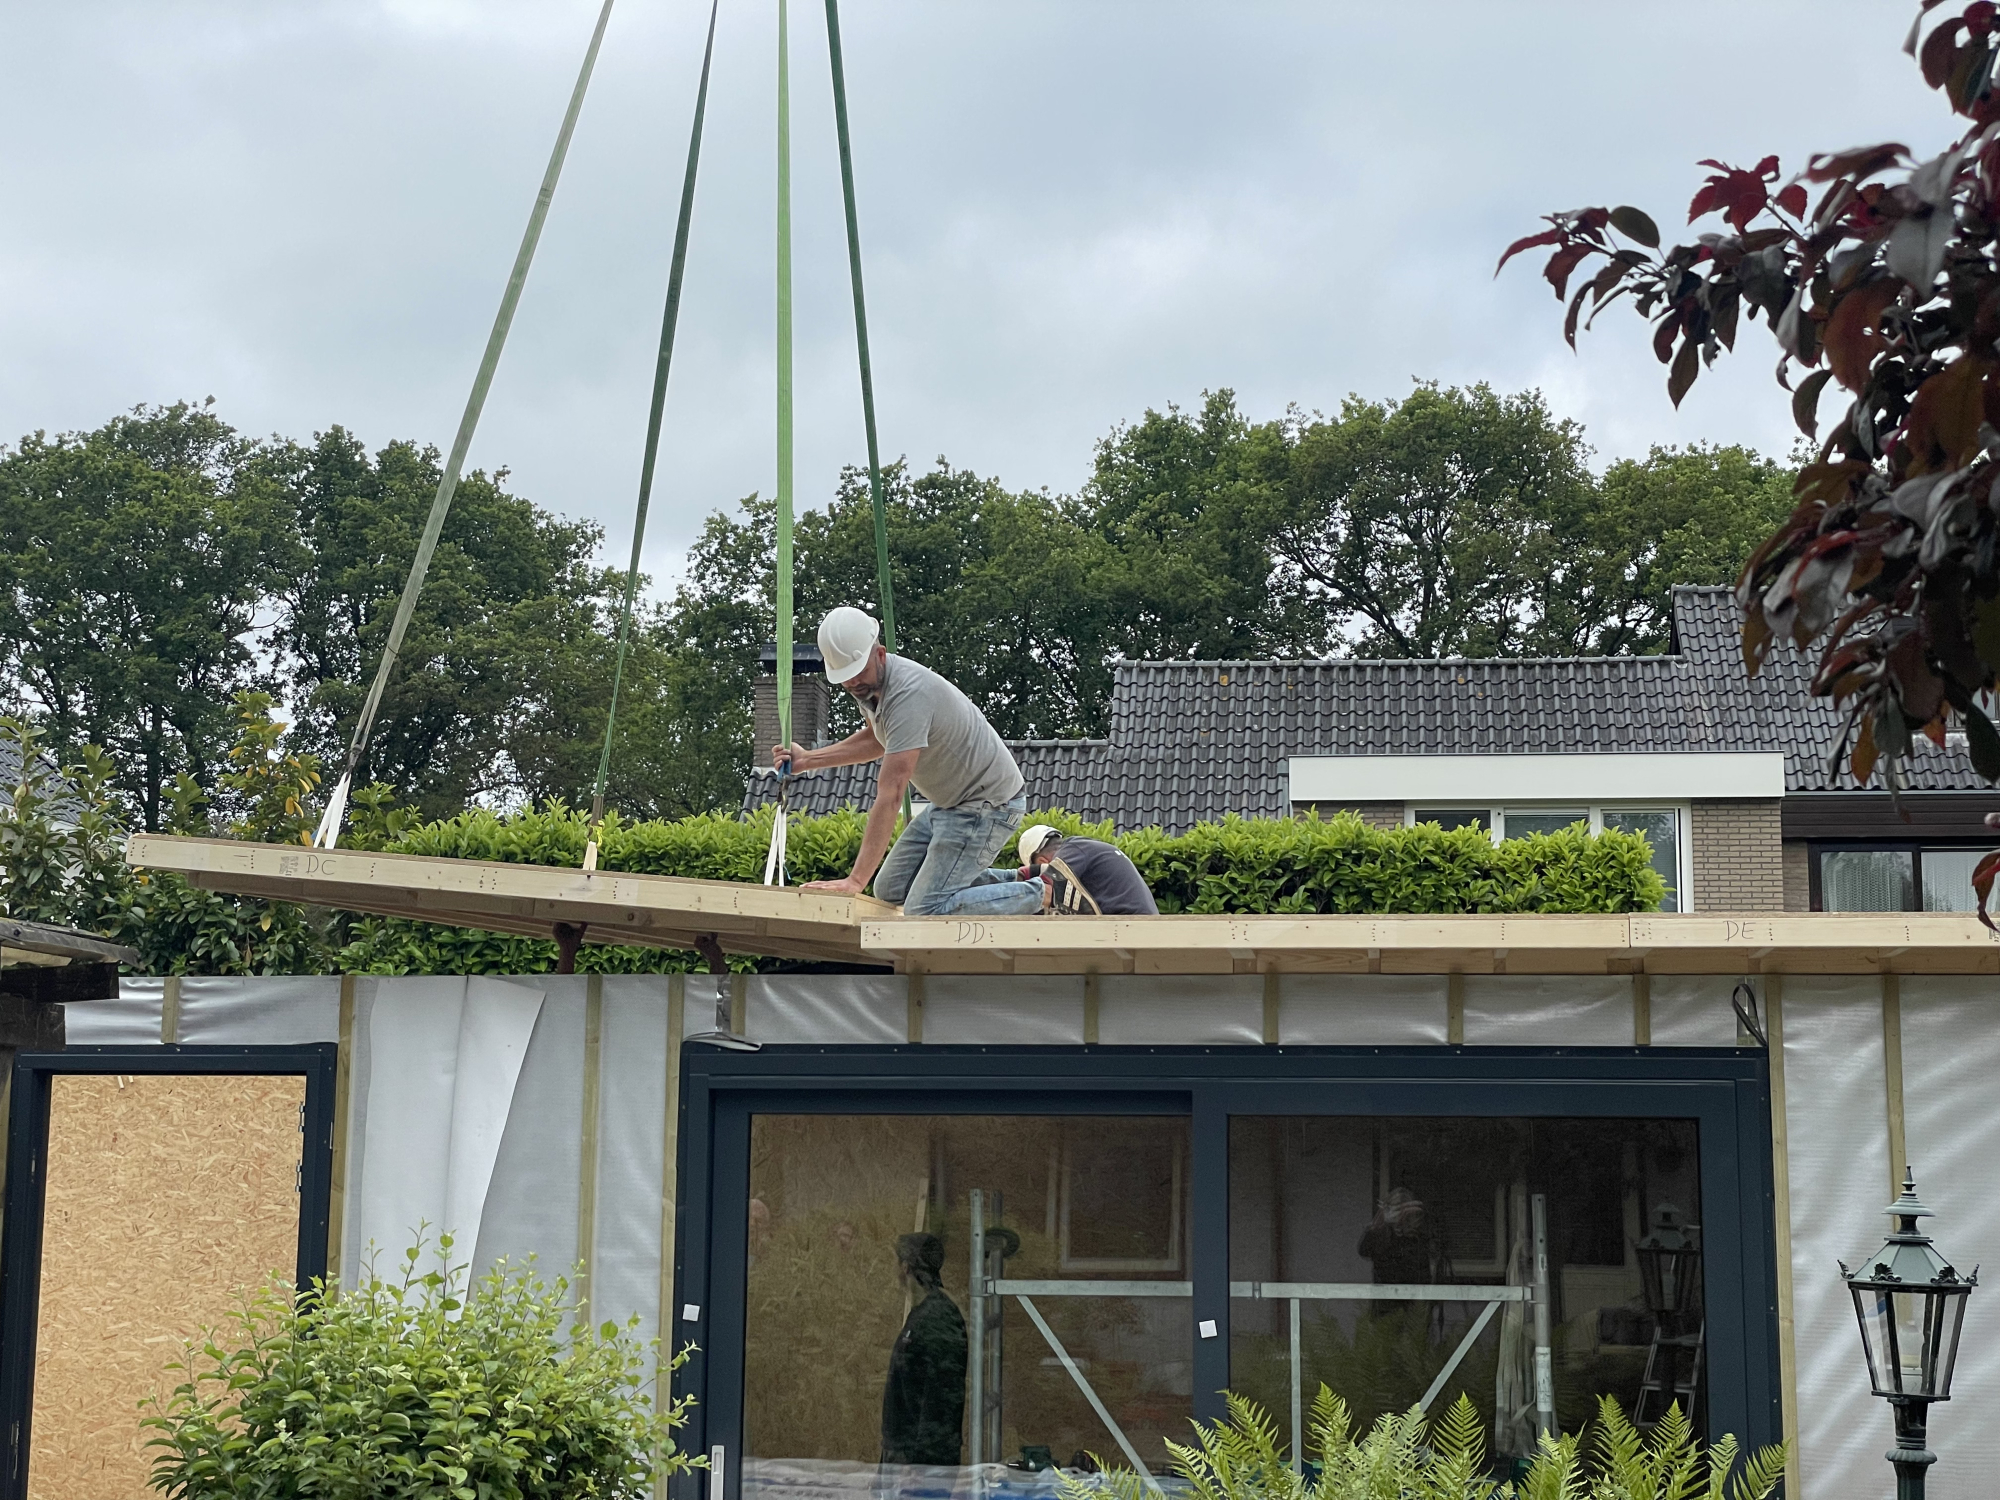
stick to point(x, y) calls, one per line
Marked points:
point(1583, 777)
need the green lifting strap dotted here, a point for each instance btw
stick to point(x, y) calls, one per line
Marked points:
point(784, 599)
point(668, 321)
point(329, 829)
point(882, 581)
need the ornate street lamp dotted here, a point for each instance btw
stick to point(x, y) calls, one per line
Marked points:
point(1670, 1269)
point(1910, 1303)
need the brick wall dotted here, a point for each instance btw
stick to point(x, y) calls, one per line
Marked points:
point(809, 714)
point(1374, 814)
point(1738, 856)
point(1798, 876)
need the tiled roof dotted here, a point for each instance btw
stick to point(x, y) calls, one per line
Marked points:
point(1191, 741)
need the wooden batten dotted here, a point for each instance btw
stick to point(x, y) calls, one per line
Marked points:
point(785, 922)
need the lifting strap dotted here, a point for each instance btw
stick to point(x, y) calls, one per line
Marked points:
point(668, 321)
point(774, 863)
point(882, 582)
point(329, 825)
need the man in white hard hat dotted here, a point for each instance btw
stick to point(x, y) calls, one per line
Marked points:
point(927, 734)
point(1085, 877)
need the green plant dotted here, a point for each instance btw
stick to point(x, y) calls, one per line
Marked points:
point(416, 1387)
point(1406, 1457)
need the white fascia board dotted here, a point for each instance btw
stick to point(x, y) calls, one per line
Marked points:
point(1479, 780)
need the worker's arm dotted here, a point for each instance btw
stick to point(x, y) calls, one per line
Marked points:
point(889, 783)
point(857, 748)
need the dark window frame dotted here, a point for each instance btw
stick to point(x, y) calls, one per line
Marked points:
point(1817, 849)
point(26, 1191)
point(1726, 1090)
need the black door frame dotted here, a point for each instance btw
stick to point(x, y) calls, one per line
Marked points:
point(1726, 1091)
point(27, 1186)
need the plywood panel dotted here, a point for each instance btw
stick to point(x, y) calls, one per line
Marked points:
point(167, 1198)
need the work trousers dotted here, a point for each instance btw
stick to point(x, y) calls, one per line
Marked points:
point(940, 866)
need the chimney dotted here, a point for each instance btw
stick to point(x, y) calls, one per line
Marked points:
point(809, 701)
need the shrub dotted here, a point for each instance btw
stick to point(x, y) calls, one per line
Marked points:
point(1406, 1456)
point(415, 1387)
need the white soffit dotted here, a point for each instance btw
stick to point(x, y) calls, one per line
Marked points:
point(1480, 780)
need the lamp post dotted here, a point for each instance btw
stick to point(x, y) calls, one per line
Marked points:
point(1910, 1303)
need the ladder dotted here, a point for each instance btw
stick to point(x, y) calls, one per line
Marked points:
point(1662, 1382)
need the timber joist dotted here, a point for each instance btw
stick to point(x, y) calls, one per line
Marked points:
point(655, 911)
point(785, 922)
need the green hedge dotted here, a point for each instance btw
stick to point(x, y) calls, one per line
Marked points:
point(1337, 866)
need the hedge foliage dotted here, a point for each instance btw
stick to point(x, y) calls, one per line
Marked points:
point(1339, 865)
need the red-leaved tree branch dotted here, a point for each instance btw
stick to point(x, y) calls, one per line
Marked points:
point(1880, 273)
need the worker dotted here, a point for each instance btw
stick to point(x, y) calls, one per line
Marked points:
point(927, 734)
point(1084, 875)
point(923, 1400)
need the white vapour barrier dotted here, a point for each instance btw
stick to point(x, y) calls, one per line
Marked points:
point(1693, 1010)
point(433, 1075)
point(631, 1145)
point(131, 1020)
point(1548, 1010)
point(1362, 1010)
point(1836, 1127)
point(259, 1012)
point(1002, 1010)
point(1951, 1070)
point(531, 1200)
point(1180, 1009)
point(833, 1009)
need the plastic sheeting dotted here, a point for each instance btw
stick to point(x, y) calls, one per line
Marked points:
point(533, 1191)
point(131, 1020)
point(1548, 1010)
point(1836, 1127)
point(1164, 1010)
point(999, 1010)
point(433, 1079)
point(1362, 1010)
point(1693, 1010)
point(1951, 1072)
point(835, 1009)
point(259, 1012)
point(631, 1147)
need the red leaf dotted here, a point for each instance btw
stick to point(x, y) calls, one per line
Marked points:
point(1859, 162)
point(1852, 339)
point(1746, 195)
point(1546, 237)
point(1767, 169)
point(1793, 200)
point(1703, 202)
point(1663, 337)
point(1805, 401)
point(1938, 50)
point(1686, 367)
point(1562, 263)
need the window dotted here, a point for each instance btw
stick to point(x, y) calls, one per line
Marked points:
point(1662, 827)
point(1894, 877)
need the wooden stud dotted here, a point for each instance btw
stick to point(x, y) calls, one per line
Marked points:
point(914, 1029)
point(170, 1011)
point(1781, 1211)
point(1892, 1067)
point(1092, 997)
point(1454, 1008)
point(739, 1003)
point(343, 1095)
point(586, 1187)
point(1642, 1009)
point(670, 1137)
point(1271, 1007)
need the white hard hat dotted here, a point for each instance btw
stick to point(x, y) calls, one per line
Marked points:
point(1032, 838)
point(846, 637)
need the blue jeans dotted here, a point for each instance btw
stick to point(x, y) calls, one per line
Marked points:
point(939, 867)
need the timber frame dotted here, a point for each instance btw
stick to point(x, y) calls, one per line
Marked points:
point(785, 922)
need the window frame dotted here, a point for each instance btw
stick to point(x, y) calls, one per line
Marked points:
point(1496, 827)
point(1818, 849)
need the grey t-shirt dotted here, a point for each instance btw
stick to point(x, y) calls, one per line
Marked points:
point(1110, 877)
point(961, 759)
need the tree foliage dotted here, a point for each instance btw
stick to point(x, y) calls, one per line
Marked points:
point(1876, 269)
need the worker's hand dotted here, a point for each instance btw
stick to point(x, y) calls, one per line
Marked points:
point(782, 753)
point(851, 886)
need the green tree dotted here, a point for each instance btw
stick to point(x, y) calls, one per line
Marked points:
point(511, 591)
point(135, 562)
point(1420, 528)
point(1678, 516)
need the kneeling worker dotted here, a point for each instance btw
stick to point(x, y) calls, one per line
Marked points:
point(928, 735)
point(1085, 875)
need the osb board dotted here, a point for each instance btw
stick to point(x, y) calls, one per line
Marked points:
point(167, 1197)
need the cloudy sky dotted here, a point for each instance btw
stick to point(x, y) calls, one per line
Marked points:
point(1070, 212)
